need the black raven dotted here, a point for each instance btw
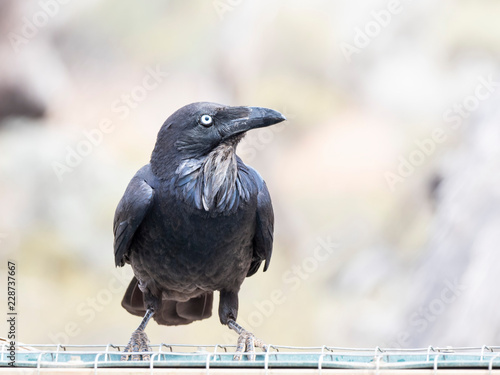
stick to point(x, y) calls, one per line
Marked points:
point(195, 220)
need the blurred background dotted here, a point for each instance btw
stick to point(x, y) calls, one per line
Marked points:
point(385, 179)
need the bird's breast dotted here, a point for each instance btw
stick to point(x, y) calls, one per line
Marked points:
point(189, 250)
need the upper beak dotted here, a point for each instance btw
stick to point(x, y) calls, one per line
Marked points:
point(260, 117)
point(248, 118)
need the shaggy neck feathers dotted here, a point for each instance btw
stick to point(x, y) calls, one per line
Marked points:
point(213, 183)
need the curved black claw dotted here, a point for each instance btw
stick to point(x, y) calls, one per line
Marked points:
point(139, 342)
point(247, 342)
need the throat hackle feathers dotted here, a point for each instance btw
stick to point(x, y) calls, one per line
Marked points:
point(213, 183)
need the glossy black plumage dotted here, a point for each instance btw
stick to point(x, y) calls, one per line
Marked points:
point(196, 219)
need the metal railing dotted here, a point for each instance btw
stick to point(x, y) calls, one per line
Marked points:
point(221, 356)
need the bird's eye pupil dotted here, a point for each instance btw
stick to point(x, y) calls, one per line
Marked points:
point(206, 120)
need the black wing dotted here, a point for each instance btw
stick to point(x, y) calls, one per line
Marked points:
point(263, 239)
point(130, 212)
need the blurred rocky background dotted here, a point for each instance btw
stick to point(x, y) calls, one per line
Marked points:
point(385, 179)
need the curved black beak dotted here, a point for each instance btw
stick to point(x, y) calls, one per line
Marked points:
point(242, 119)
point(260, 117)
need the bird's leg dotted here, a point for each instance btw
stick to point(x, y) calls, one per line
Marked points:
point(139, 341)
point(246, 341)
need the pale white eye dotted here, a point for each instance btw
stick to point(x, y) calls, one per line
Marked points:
point(206, 120)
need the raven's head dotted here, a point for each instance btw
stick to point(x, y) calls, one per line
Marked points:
point(196, 147)
point(196, 129)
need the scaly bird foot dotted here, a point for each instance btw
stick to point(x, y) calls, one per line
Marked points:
point(139, 342)
point(246, 342)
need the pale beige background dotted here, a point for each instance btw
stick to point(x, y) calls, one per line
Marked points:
point(358, 261)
